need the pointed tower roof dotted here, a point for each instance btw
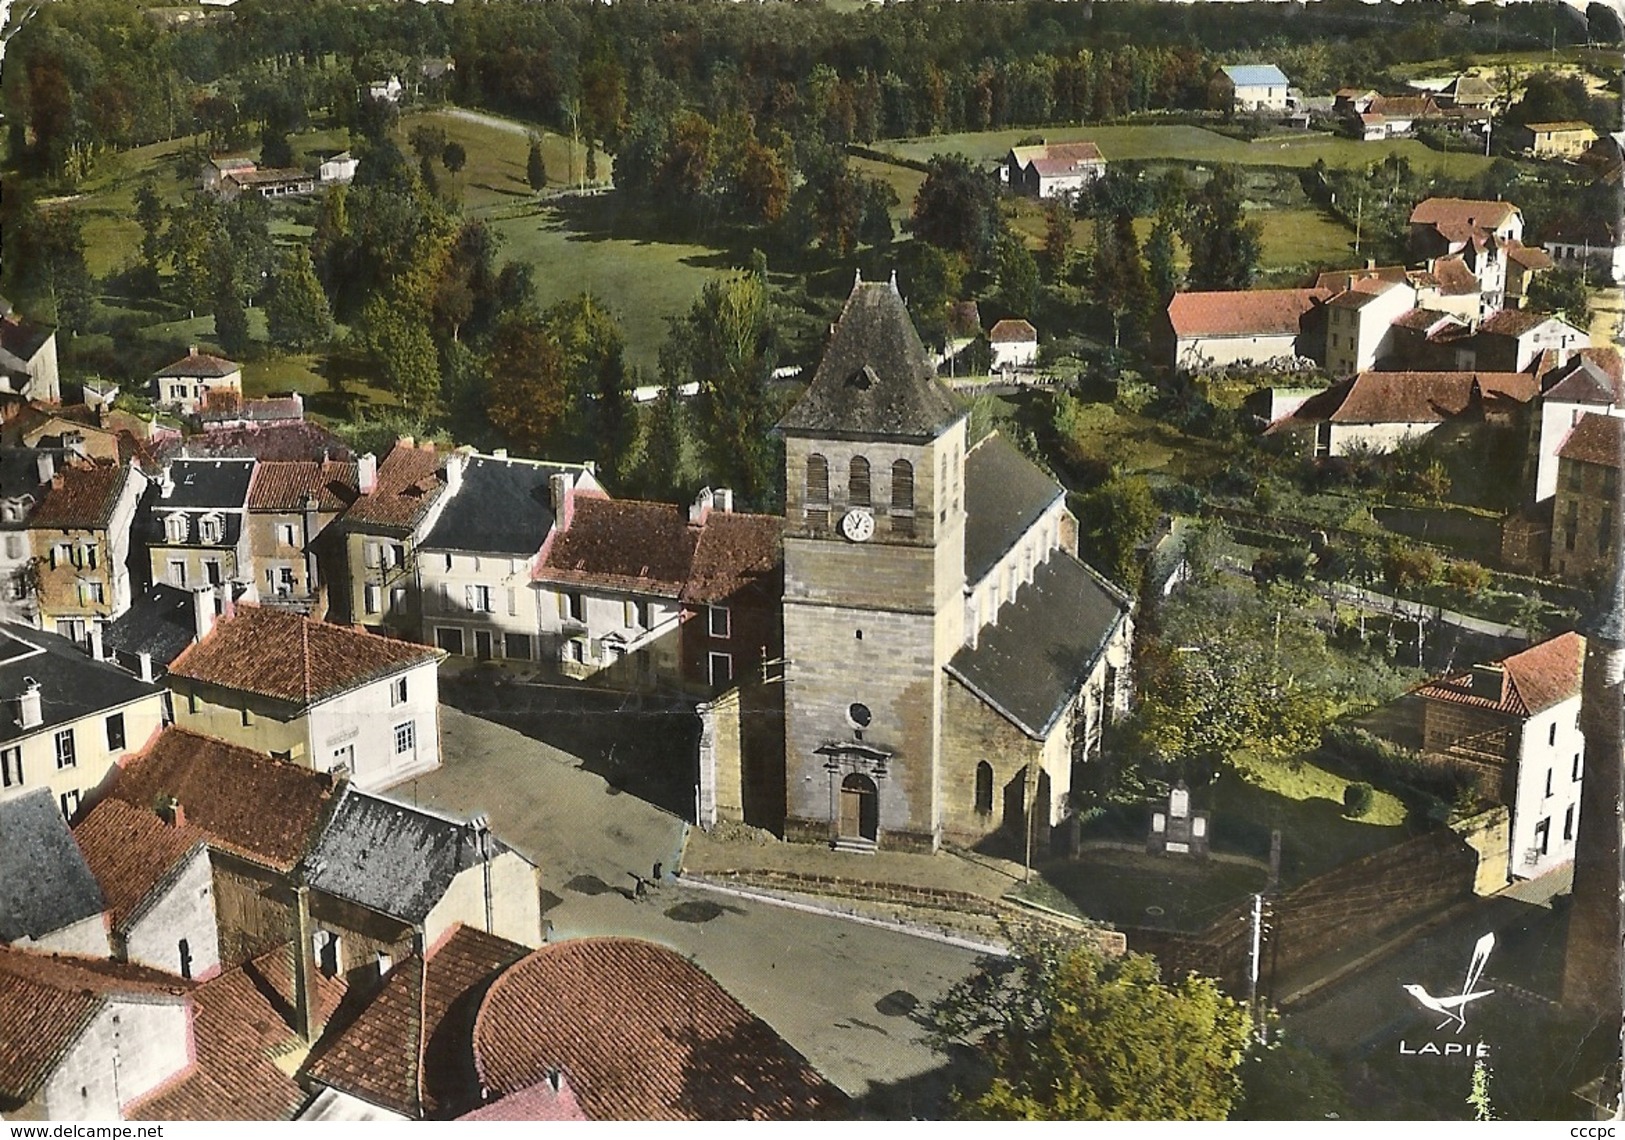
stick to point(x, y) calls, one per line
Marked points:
point(876, 380)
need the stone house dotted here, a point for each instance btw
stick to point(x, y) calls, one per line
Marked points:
point(1586, 503)
point(1014, 344)
point(194, 523)
point(368, 555)
point(70, 719)
point(49, 898)
point(1557, 140)
point(1359, 324)
point(1253, 87)
point(1592, 381)
point(474, 566)
point(1052, 170)
point(28, 357)
point(217, 170)
point(24, 476)
point(289, 505)
point(324, 696)
point(154, 870)
point(87, 1039)
point(1478, 231)
point(185, 385)
point(1512, 340)
point(80, 537)
point(1593, 244)
point(1516, 723)
point(1252, 326)
point(1381, 411)
point(903, 708)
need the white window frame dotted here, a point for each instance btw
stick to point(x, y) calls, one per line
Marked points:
point(287, 534)
point(480, 599)
point(69, 802)
point(11, 766)
point(67, 755)
point(211, 530)
point(726, 622)
point(374, 600)
point(406, 737)
point(720, 662)
point(397, 692)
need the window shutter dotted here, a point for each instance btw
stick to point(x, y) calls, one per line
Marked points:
point(471, 603)
point(445, 597)
point(564, 604)
point(370, 554)
point(513, 602)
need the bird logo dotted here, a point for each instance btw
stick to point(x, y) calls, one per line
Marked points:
point(1454, 1008)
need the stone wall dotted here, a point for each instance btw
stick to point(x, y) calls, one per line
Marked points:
point(185, 911)
point(975, 734)
point(253, 907)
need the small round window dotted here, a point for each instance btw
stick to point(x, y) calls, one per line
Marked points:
point(859, 715)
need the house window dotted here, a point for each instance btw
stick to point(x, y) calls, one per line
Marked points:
point(449, 639)
point(175, 527)
point(857, 482)
point(369, 554)
point(397, 599)
point(177, 573)
point(817, 490)
point(1610, 482)
point(1551, 735)
point(325, 945)
point(285, 534)
point(573, 606)
point(11, 767)
point(375, 599)
point(1548, 782)
point(902, 497)
point(70, 804)
point(1543, 835)
point(406, 737)
point(14, 542)
point(576, 650)
point(1577, 767)
point(89, 556)
point(115, 732)
point(1572, 471)
point(984, 788)
point(1568, 823)
point(168, 700)
point(722, 668)
point(478, 599)
point(720, 622)
point(637, 614)
point(516, 646)
point(397, 691)
point(284, 582)
point(65, 757)
point(210, 530)
point(942, 488)
point(211, 571)
point(91, 593)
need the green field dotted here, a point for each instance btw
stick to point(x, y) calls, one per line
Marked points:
point(1194, 144)
point(495, 174)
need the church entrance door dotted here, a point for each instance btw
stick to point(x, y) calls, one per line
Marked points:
point(860, 808)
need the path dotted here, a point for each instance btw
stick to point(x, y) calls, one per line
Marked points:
point(485, 120)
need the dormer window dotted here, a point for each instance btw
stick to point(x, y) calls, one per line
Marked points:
point(175, 527)
point(211, 529)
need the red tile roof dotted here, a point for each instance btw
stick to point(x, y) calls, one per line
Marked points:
point(1595, 439)
point(1462, 213)
point(734, 551)
point(1336, 280)
point(405, 1051)
point(81, 497)
point(284, 486)
point(46, 1000)
point(642, 1034)
point(1514, 322)
point(1536, 679)
point(539, 1102)
point(408, 483)
point(1529, 256)
point(1452, 276)
point(269, 811)
point(1012, 332)
point(130, 851)
point(1424, 320)
point(242, 1023)
point(621, 544)
point(1409, 397)
point(1247, 312)
point(200, 365)
point(289, 657)
point(1566, 125)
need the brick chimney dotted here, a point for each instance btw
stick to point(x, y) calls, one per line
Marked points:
point(561, 490)
point(173, 813)
point(46, 464)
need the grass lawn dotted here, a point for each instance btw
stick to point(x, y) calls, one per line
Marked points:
point(1132, 888)
point(495, 174)
point(1194, 144)
point(903, 179)
point(1304, 238)
point(1139, 445)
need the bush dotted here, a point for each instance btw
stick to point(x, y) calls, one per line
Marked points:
point(1357, 800)
point(1410, 566)
point(1469, 577)
point(1354, 752)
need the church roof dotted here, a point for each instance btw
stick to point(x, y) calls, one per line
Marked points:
point(1005, 494)
point(1043, 644)
point(876, 380)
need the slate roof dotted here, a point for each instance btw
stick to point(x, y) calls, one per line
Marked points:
point(408, 1050)
point(504, 506)
point(47, 1000)
point(227, 406)
point(200, 365)
point(270, 442)
point(268, 811)
point(72, 686)
point(1515, 322)
point(289, 657)
point(1256, 75)
point(1005, 493)
point(408, 483)
point(132, 852)
point(734, 551)
point(1244, 312)
point(219, 484)
point(1595, 439)
point(875, 380)
point(1592, 376)
point(80, 497)
point(45, 883)
point(644, 1034)
point(392, 858)
point(1534, 680)
point(622, 544)
point(1030, 663)
point(242, 1020)
point(159, 622)
point(23, 338)
point(283, 486)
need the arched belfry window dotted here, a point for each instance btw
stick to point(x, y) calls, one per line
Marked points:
point(817, 505)
point(857, 482)
point(902, 497)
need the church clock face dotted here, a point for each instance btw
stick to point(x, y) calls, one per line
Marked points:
point(858, 525)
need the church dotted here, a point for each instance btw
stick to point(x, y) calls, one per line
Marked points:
point(949, 658)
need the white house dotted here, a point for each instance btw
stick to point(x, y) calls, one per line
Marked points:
point(1248, 326)
point(1590, 383)
point(1359, 329)
point(1014, 343)
point(1053, 170)
point(28, 356)
point(1256, 87)
point(49, 897)
point(1597, 244)
point(184, 385)
point(339, 168)
point(1517, 723)
point(1379, 411)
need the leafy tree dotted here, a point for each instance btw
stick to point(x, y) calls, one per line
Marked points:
point(397, 336)
point(1070, 1034)
point(1115, 518)
point(527, 385)
point(879, 199)
point(598, 402)
point(1017, 275)
point(1159, 261)
point(1286, 1081)
point(149, 213)
point(427, 140)
point(1225, 247)
point(275, 149)
point(536, 167)
point(1057, 250)
point(1120, 280)
point(297, 317)
point(667, 428)
point(956, 209)
point(51, 254)
point(1562, 291)
point(453, 157)
point(230, 319)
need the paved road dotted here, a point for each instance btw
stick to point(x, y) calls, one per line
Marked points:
point(844, 994)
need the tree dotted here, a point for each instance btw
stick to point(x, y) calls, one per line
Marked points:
point(1017, 276)
point(527, 383)
point(1115, 518)
point(535, 166)
point(1159, 260)
point(297, 317)
point(275, 150)
point(1562, 291)
point(1070, 1034)
point(1225, 247)
point(1057, 250)
point(879, 199)
point(230, 319)
point(149, 213)
point(956, 209)
point(1120, 279)
point(598, 404)
point(396, 333)
point(453, 157)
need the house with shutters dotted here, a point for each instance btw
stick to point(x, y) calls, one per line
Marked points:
point(1360, 323)
point(1592, 381)
point(50, 900)
point(474, 566)
point(194, 523)
point(69, 720)
point(324, 696)
point(1515, 723)
point(185, 385)
point(80, 535)
point(290, 503)
point(1479, 232)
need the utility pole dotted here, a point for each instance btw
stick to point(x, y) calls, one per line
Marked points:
point(1252, 963)
point(1359, 216)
